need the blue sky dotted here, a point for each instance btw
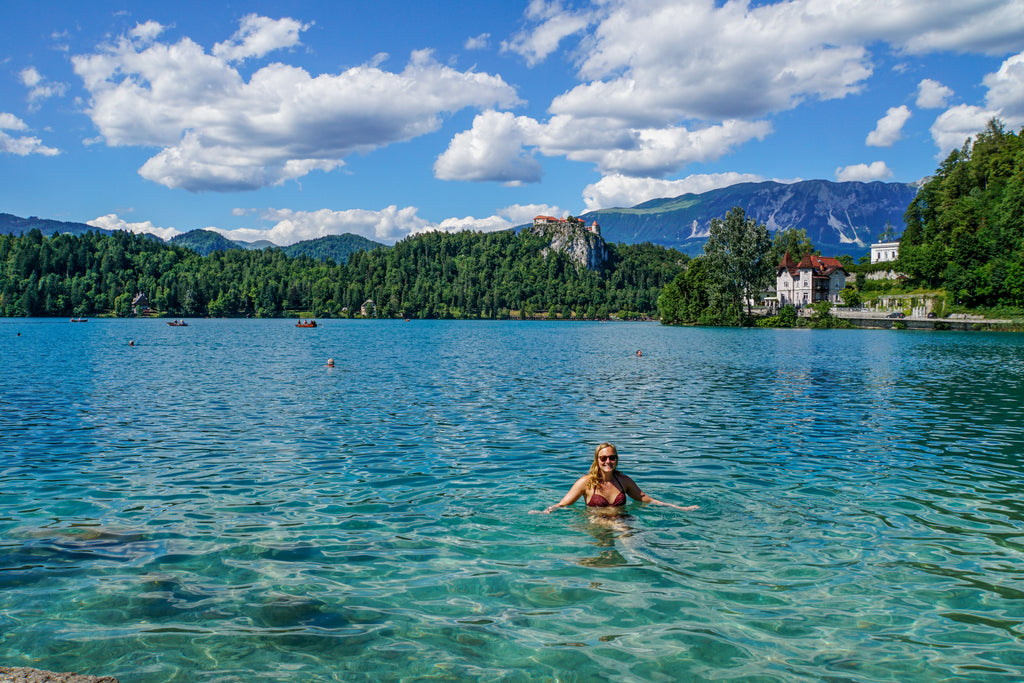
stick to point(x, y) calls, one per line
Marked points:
point(389, 118)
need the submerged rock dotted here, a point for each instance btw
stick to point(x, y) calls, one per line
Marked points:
point(23, 674)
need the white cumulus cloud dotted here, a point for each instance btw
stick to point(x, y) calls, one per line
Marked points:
point(1004, 100)
point(216, 131)
point(889, 128)
point(39, 87)
point(864, 173)
point(552, 23)
point(488, 224)
point(932, 94)
point(521, 214)
point(1006, 90)
point(987, 26)
point(491, 150)
point(479, 42)
point(617, 190)
point(665, 83)
point(112, 221)
point(288, 226)
point(957, 125)
point(20, 145)
point(11, 122)
point(499, 146)
point(387, 225)
point(258, 36)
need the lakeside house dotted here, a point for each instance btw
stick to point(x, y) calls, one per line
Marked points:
point(885, 251)
point(813, 279)
point(140, 304)
point(541, 221)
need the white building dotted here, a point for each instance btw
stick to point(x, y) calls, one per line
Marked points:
point(815, 278)
point(885, 251)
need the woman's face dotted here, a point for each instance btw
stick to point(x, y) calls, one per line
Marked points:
point(607, 459)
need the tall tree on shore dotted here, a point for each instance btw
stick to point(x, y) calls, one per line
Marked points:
point(738, 252)
point(795, 241)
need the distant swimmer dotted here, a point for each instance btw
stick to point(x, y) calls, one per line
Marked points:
point(638, 353)
point(330, 362)
point(605, 487)
point(131, 342)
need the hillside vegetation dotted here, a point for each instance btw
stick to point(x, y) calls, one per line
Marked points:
point(433, 275)
point(965, 228)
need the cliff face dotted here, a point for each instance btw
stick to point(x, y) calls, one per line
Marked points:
point(586, 249)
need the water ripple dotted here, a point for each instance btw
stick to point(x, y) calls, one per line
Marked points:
point(225, 507)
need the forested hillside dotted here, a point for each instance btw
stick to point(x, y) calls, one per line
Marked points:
point(337, 248)
point(434, 275)
point(16, 225)
point(204, 242)
point(965, 228)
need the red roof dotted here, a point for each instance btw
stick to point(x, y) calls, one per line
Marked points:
point(819, 265)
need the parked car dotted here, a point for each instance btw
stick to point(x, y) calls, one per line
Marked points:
point(896, 314)
point(932, 314)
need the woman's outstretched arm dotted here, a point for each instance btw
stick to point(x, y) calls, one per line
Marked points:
point(568, 499)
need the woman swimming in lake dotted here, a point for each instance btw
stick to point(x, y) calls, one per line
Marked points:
point(605, 487)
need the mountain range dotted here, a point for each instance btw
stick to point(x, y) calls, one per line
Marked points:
point(839, 218)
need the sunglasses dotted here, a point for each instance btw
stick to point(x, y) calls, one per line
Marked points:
point(602, 458)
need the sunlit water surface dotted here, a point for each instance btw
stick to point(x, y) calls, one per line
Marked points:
point(215, 504)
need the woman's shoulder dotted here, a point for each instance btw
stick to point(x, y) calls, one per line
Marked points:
point(582, 483)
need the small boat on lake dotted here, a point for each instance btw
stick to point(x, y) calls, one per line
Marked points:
point(177, 323)
point(306, 323)
point(79, 320)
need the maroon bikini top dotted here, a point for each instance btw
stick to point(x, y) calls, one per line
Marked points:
point(599, 501)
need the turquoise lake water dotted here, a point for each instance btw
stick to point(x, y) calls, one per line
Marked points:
point(215, 504)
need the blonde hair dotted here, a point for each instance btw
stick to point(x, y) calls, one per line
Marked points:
point(594, 476)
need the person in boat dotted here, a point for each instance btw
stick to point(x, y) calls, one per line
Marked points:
point(606, 487)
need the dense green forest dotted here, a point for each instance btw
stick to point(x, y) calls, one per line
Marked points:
point(433, 275)
point(965, 228)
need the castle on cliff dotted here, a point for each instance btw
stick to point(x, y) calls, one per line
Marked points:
point(543, 221)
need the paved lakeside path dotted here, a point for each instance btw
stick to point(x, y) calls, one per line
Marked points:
point(956, 321)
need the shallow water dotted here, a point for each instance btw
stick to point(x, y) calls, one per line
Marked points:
point(215, 504)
